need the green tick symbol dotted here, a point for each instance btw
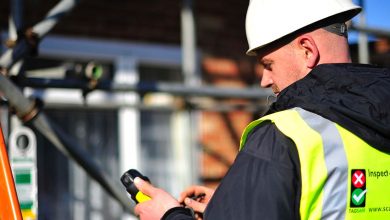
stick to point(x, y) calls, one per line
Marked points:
point(358, 196)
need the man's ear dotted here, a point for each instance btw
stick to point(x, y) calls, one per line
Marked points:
point(311, 53)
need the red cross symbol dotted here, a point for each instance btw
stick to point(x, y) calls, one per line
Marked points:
point(358, 179)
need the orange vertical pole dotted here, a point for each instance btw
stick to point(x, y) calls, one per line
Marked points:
point(9, 203)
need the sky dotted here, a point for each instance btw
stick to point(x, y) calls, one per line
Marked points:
point(377, 13)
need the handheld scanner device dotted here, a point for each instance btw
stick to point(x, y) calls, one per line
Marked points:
point(127, 180)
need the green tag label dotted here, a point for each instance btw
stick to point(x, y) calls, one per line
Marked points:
point(23, 178)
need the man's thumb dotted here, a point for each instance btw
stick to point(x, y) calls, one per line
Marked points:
point(143, 186)
point(196, 206)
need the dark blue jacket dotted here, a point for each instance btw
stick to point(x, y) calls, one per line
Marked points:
point(264, 181)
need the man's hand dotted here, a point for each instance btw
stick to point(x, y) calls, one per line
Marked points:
point(198, 204)
point(160, 201)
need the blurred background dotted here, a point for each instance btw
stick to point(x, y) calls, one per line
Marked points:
point(161, 86)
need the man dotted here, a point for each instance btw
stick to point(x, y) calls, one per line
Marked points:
point(323, 149)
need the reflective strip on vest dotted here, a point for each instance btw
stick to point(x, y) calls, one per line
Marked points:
point(328, 154)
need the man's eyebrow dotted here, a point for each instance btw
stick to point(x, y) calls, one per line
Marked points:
point(265, 61)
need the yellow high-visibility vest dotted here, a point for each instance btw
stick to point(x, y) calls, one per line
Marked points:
point(342, 176)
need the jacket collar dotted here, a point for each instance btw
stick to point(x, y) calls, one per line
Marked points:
point(354, 96)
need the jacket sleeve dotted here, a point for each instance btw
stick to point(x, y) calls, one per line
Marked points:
point(179, 213)
point(263, 182)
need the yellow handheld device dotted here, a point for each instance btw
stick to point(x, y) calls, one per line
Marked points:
point(127, 180)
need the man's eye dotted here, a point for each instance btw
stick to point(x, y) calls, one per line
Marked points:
point(267, 66)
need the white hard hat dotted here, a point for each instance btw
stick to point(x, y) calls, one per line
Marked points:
point(270, 20)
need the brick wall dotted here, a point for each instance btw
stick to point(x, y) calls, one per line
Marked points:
point(219, 24)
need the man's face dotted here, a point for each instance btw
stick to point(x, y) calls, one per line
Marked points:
point(280, 68)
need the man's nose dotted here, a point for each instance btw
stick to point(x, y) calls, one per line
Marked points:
point(266, 80)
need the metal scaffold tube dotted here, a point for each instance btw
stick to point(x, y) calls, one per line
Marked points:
point(363, 38)
point(29, 41)
point(371, 30)
point(23, 43)
point(26, 111)
point(171, 88)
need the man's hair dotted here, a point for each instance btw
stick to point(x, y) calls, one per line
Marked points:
point(340, 29)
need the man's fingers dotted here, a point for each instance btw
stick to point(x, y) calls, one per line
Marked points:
point(196, 206)
point(137, 210)
point(184, 195)
point(190, 191)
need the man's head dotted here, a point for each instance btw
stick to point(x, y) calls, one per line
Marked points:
point(292, 37)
